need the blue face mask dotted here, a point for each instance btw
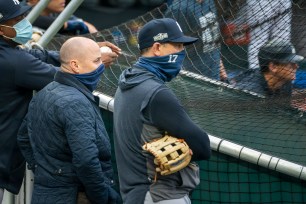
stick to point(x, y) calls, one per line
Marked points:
point(165, 67)
point(91, 79)
point(23, 31)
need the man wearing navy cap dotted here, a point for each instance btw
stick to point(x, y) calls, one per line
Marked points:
point(145, 109)
point(21, 73)
point(278, 65)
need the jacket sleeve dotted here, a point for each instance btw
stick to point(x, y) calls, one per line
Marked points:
point(166, 113)
point(33, 73)
point(50, 57)
point(23, 140)
point(80, 131)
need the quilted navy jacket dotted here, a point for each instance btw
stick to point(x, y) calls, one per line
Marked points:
point(21, 72)
point(64, 140)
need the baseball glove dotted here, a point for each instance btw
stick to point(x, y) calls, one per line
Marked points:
point(171, 154)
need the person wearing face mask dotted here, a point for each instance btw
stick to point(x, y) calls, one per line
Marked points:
point(63, 137)
point(21, 73)
point(145, 109)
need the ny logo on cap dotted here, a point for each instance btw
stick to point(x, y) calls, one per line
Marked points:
point(1, 15)
point(16, 2)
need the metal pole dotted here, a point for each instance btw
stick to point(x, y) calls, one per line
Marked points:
point(37, 9)
point(8, 198)
point(29, 182)
point(58, 23)
point(234, 150)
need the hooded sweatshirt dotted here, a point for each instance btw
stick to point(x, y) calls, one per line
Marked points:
point(145, 109)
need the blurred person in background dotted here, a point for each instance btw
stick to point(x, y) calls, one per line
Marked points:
point(268, 20)
point(194, 16)
point(74, 26)
point(278, 65)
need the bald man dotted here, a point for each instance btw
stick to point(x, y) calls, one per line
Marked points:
point(63, 137)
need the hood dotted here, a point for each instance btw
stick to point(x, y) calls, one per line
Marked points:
point(133, 76)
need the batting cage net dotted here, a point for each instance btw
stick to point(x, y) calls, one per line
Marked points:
point(219, 86)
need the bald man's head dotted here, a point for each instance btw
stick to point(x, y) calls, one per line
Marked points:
point(75, 48)
point(76, 51)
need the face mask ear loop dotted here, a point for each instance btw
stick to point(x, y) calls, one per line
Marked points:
point(7, 27)
point(7, 37)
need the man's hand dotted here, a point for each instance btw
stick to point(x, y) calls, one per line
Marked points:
point(114, 48)
point(109, 58)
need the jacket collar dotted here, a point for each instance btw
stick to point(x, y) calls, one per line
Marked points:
point(4, 43)
point(10, 44)
point(70, 80)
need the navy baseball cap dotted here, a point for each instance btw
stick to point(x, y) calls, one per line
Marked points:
point(10, 9)
point(279, 51)
point(162, 30)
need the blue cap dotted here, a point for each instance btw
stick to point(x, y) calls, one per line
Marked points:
point(10, 9)
point(279, 51)
point(162, 30)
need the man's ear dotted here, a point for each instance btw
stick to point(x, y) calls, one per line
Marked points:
point(74, 66)
point(156, 49)
point(272, 67)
